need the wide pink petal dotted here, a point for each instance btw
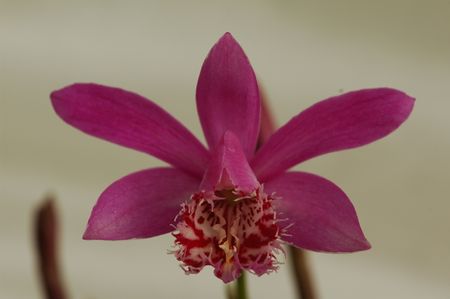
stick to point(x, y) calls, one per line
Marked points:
point(321, 216)
point(345, 121)
point(130, 120)
point(227, 95)
point(228, 168)
point(140, 205)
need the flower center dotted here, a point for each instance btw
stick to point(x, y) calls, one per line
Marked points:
point(229, 230)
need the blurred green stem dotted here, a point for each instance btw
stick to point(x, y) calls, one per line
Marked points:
point(241, 286)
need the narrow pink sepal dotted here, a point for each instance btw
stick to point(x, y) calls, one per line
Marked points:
point(128, 119)
point(229, 168)
point(228, 96)
point(267, 123)
point(321, 214)
point(342, 122)
point(140, 205)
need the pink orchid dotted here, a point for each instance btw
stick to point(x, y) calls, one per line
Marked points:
point(230, 207)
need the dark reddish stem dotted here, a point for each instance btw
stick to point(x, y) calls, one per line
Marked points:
point(46, 237)
point(298, 257)
point(302, 273)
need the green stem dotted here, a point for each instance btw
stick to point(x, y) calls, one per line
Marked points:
point(241, 287)
point(230, 291)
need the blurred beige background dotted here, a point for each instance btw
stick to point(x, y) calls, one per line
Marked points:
point(302, 51)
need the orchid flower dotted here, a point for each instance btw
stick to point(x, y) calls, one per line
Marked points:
point(230, 206)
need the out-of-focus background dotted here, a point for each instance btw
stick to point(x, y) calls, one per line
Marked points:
point(302, 51)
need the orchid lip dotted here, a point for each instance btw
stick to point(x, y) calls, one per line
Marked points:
point(229, 230)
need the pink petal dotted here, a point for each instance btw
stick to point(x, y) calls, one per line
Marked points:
point(228, 168)
point(345, 121)
point(227, 95)
point(130, 120)
point(140, 205)
point(321, 215)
